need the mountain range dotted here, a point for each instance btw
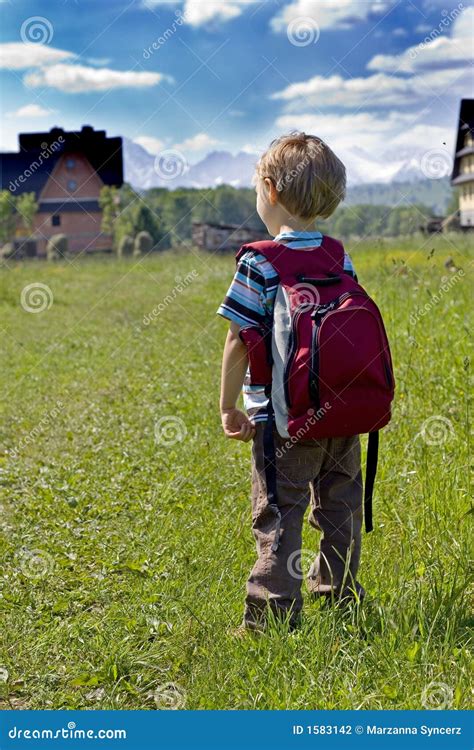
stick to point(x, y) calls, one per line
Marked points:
point(400, 180)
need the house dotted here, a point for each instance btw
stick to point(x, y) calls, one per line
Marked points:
point(463, 168)
point(224, 236)
point(66, 171)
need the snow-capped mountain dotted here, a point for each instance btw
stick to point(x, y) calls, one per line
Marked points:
point(143, 170)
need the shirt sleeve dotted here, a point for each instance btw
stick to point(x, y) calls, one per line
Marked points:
point(244, 302)
point(349, 266)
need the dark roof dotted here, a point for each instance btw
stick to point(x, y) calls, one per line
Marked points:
point(29, 169)
point(465, 123)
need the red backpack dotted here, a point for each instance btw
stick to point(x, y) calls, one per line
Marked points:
point(325, 362)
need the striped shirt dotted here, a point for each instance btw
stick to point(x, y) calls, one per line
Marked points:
point(251, 296)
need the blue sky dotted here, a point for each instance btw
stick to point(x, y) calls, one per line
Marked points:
point(380, 80)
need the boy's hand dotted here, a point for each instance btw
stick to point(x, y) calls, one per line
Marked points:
point(237, 425)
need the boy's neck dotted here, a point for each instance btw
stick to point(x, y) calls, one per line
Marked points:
point(297, 225)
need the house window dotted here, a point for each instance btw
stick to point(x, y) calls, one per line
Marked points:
point(70, 163)
point(55, 220)
point(71, 185)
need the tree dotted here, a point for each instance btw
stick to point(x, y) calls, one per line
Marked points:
point(7, 216)
point(27, 207)
point(177, 216)
point(144, 220)
point(109, 201)
point(121, 216)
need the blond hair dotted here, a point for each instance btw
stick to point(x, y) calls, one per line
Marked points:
point(309, 178)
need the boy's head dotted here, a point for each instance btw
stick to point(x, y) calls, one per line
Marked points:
point(298, 177)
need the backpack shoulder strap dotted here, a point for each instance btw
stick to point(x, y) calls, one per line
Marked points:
point(370, 473)
point(268, 248)
point(327, 258)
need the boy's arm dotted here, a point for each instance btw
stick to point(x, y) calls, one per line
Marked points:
point(235, 423)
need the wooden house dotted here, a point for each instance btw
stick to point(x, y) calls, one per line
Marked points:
point(463, 168)
point(66, 171)
point(213, 237)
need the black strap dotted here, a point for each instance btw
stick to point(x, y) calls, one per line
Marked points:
point(269, 463)
point(370, 473)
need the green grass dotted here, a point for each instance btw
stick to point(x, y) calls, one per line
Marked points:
point(123, 560)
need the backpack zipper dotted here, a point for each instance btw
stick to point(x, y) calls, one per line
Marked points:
point(314, 377)
point(292, 348)
point(321, 311)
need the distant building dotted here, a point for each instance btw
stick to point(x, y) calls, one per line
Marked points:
point(66, 171)
point(433, 225)
point(224, 236)
point(463, 169)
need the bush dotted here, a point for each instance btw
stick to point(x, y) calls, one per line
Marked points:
point(143, 243)
point(57, 247)
point(125, 246)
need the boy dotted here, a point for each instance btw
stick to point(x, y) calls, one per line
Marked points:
point(298, 180)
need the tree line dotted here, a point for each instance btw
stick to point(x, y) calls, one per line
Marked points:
point(161, 218)
point(168, 215)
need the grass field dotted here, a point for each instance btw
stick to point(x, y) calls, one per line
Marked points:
point(125, 518)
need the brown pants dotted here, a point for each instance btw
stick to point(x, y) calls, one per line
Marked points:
point(327, 474)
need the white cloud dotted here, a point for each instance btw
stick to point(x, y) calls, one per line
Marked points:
point(30, 110)
point(149, 143)
point(198, 13)
point(329, 14)
point(198, 142)
point(76, 79)
point(374, 147)
point(436, 50)
point(377, 90)
point(422, 28)
point(374, 91)
point(250, 148)
point(19, 56)
point(363, 129)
